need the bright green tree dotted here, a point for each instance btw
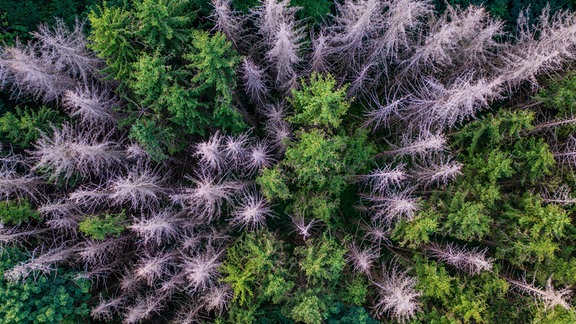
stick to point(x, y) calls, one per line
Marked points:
point(54, 299)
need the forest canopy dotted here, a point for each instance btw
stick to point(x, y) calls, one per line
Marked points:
point(276, 161)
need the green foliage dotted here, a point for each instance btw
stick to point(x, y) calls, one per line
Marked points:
point(433, 279)
point(355, 291)
point(319, 103)
point(468, 220)
point(99, 227)
point(111, 38)
point(244, 5)
point(322, 261)
point(493, 130)
point(537, 157)
point(18, 18)
point(213, 63)
point(155, 140)
point(558, 315)
point(23, 126)
point(313, 177)
point(263, 275)
point(150, 78)
point(537, 228)
point(560, 94)
point(8, 33)
point(462, 299)
point(272, 184)
point(316, 159)
point(238, 314)
point(495, 165)
point(543, 220)
point(163, 24)
point(254, 268)
point(185, 109)
point(213, 60)
point(309, 309)
point(44, 300)
point(317, 10)
point(14, 213)
point(495, 150)
point(494, 202)
point(469, 308)
point(339, 313)
point(181, 80)
point(418, 230)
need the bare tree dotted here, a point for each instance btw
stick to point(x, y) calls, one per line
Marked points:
point(129, 283)
point(254, 80)
point(106, 308)
point(470, 261)
point(67, 50)
point(58, 208)
point(394, 206)
point(135, 152)
point(65, 225)
point(101, 253)
point(548, 295)
point(90, 198)
point(151, 268)
point(235, 148)
point(18, 236)
point(211, 154)
point(397, 295)
point(43, 263)
point(226, 20)
point(208, 196)
point(14, 185)
point(379, 115)
point(440, 106)
point(382, 180)
point(284, 53)
point(277, 127)
point(566, 154)
point(69, 150)
point(356, 22)
point(217, 299)
point(401, 19)
point(32, 75)
point(280, 134)
point(141, 188)
point(376, 234)
point(271, 14)
point(91, 105)
point(363, 79)
point(302, 228)
point(320, 53)
point(451, 34)
point(252, 212)
point(144, 308)
point(161, 227)
point(202, 270)
point(361, 259)
point(561, 195)
point(437, 172)
point(542, 49)
point(259, 157)
point(275, 113)
point(423, 145)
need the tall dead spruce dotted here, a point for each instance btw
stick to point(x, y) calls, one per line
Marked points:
point(419, 75)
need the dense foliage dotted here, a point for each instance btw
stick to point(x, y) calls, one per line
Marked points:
point(41, 299)
point(289, 162)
